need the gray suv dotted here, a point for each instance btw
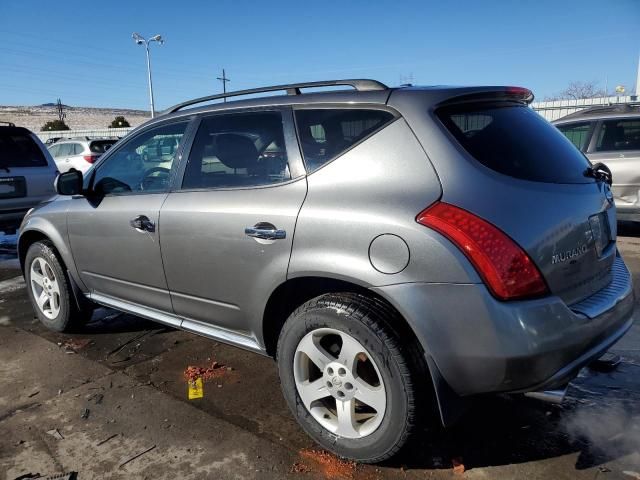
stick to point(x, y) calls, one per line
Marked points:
point(27, 173)
point(398, 251)
point(611, 135)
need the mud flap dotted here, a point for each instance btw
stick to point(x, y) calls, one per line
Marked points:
point(81, 301)
point(450, 404)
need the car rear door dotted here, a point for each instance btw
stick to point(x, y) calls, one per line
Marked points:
point(617, 144)
point(227, 228)
point(114, 230)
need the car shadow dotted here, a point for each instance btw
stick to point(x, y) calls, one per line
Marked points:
point(599, 421)
point(105, 320)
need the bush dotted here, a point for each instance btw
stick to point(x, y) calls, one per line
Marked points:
point(119, 122)
point(55, 125)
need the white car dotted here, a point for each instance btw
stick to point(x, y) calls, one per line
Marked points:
point(78, 153)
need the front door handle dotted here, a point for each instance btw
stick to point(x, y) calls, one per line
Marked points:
point(265, 231)
point(143, 224)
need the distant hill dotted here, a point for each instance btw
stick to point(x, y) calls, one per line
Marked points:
point(78, 118)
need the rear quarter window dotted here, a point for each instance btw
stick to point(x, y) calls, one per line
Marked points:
point(514, 140)
point(19, 150)
point(327, 133)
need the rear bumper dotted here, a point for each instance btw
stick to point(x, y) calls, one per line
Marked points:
point(481, 345)
point(13, 215)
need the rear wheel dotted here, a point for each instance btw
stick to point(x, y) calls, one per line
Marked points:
point(50, 290)
point(347, 378)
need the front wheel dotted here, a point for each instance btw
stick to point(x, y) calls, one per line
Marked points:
point(347, 378)
point(50, 290)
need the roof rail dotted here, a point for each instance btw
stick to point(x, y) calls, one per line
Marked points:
point(9, 124)
point(361, 85)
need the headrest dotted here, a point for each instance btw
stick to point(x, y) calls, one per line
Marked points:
point(236, 151)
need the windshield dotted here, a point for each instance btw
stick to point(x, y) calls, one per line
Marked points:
point(516, 141)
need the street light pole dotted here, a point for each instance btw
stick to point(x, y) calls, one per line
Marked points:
point(140, 40)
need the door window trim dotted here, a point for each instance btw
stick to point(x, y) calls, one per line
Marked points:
point(294, 156)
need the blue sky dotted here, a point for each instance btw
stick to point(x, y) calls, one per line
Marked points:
point(82, 51)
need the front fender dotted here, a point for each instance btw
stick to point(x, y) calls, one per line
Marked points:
point(52, 227)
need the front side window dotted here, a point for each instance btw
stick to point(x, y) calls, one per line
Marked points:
point(326, 133)
point(139, 165)
point(577, 133)
point(619, 135)
point(238, 150)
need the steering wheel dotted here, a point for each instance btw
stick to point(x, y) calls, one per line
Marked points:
point(148, 182)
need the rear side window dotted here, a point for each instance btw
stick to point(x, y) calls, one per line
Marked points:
point(326, 133)
point(19, 151)
point(577, 133)
point(238, 150)
point(516, 141)
point(101, 146)
point(619, 135)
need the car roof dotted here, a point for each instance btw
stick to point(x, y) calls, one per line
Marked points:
point(598, 112)
point(374, 93)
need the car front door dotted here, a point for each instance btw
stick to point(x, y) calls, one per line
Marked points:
point(114, 230)
point(227, 230)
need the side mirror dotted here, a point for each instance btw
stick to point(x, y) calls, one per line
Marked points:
point(69, 183)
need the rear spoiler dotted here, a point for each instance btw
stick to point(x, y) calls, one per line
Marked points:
point(514, 94)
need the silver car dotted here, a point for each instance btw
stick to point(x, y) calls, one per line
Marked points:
point(27, 173)
point(79, 153)
point(611, 135)
point(398, 251)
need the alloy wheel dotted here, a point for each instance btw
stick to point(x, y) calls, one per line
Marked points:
point(339, 383)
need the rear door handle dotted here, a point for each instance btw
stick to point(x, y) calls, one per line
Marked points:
point(265, 231)
point(143, 224)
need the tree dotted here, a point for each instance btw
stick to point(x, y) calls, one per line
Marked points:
point(119, 122)
point(576, 90)
point(55, 125)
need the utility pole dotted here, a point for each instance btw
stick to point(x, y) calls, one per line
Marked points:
point(224, 81)
point(60, 108)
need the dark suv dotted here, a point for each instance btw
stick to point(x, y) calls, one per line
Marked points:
point(381, 243)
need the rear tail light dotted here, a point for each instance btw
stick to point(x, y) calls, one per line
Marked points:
point(90, 158)
point(506, 269)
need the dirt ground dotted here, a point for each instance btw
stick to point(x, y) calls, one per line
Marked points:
point(112, 402)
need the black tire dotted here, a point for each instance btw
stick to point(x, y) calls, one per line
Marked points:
point(70, 317)
point(369, 321)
